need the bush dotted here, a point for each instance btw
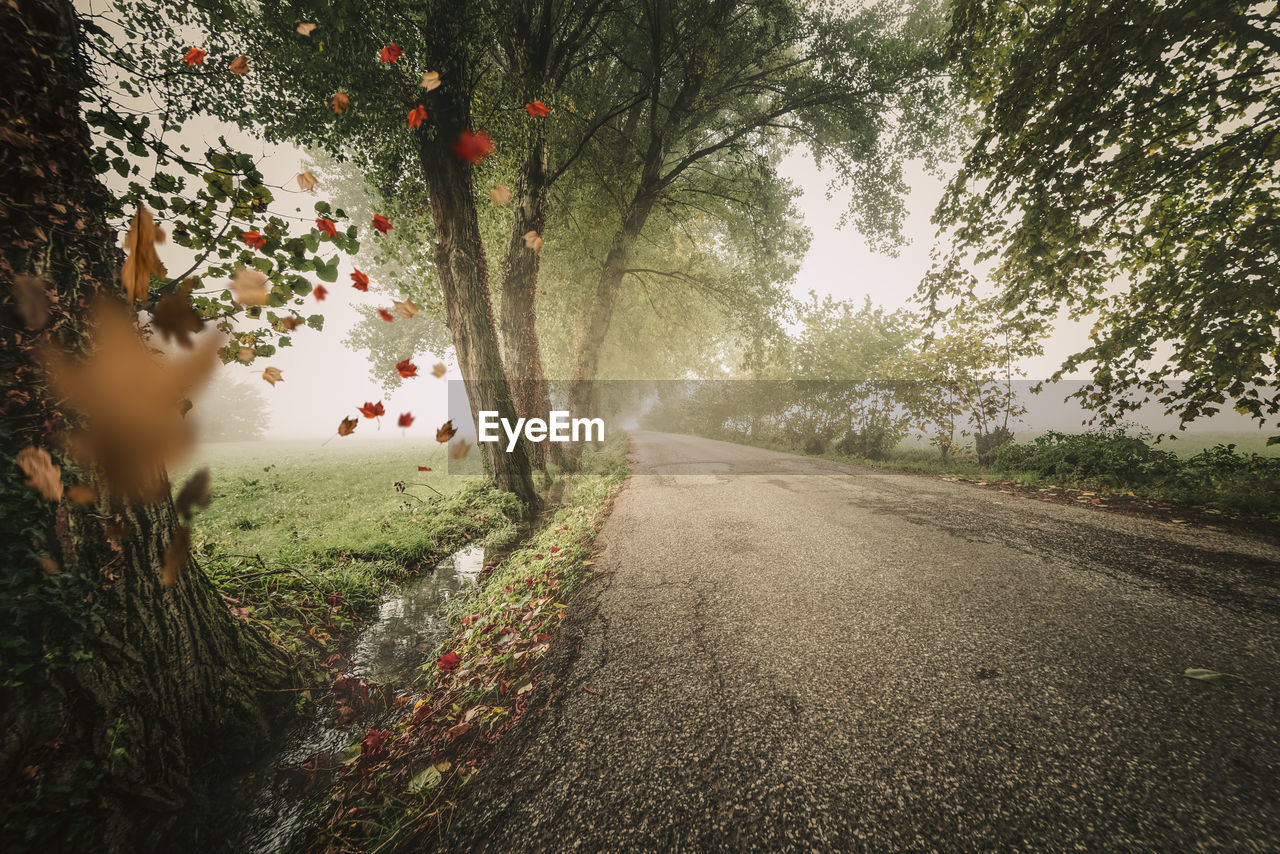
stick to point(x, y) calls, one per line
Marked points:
point(988, 445)
point(874, 442)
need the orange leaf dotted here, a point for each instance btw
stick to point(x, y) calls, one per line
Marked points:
point(473, 146)
point(143, 261)
point(430, 80)
point(537, 109)
point(391, 53)
point(360, 281)
point(405, 309)
point(195, 56)
point(533, 241)
point(446, 431)
point(240, 65)
point(306, 29)
point(340, 102)
point(42, 475)
point(326, 226)
point(272, 375)
point(500, 194)
point(417, 116)
point(439, 370)
point(253, 239)
point(320, 292)
point(307, 181)
point(386, 315)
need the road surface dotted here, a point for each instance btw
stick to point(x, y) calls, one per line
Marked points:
point(788, 654)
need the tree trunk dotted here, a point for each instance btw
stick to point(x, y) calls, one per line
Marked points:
point(521, 348)
point(114, 687)
point(464, 280)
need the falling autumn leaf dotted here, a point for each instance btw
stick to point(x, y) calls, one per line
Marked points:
point(290, 323)
point(386, 315)
point(406, 369)
point(405, 309)
point(438, 370)
point(446, 431)
point(430, 81)
point(326, 226)
point(307, 181)
point(381, 223)
point(417, 116)
point(500, 194)
point(405, 419)
point(272, 375)
point(320, 292)
point(81, 494)
point(32, 297)
point(245, 354)
point(424, 468)
point(240, 65)
point(176, 555)
point(306, 29)
point(173, 316)
point(196, 492)
point(348, 426)
point(195, 56)
point(373, 410)
point(473, 146)
point(459, 449)
point(390, 54)
point(340, 103)
point(249, 287)
point(533, 241)
point(359, 281)
point(42, 475)
point(128, 398)
point(253, 239)
point(143, 262)
point(537, 109)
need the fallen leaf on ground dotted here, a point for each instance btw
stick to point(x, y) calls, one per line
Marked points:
point(1206, 675)
point(425, 781)
point(42, 475)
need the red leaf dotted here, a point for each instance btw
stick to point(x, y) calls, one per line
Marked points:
point(372, 410)
point(424, 468)
point(326, 226)
point(405, 420)
point(417, 116)
point(320, 292)
point(360, 281)
point(253, 239)
point(406, 369)
point(386, 315)
point(391, 53)
point(473, 146)
point(195, 56)
point(537, 109)
point(381, 223)
point(448, 662)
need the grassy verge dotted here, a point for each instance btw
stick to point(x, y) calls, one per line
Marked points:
point(304, 540)
point(402, 783)
point(1219, 478)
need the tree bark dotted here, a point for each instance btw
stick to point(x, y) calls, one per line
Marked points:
point(464, 278)
point(522, 351)
point(114, 687)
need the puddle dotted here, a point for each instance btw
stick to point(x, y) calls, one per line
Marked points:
point(390, 651)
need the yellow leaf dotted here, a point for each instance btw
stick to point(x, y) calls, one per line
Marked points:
point(306, 180)
point(430, 80)
point(272, 375)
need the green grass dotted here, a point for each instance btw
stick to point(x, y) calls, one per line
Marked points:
point(305, 540)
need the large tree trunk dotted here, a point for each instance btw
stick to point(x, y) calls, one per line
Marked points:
point(114, 687)
point(464, 276)
point(522, 351)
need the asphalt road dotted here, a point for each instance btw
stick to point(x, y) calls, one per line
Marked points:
point(787, 654)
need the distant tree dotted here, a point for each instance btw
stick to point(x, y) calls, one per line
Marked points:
point(231, 410)
point(1125, 164)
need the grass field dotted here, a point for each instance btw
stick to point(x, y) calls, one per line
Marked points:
point(305, 539)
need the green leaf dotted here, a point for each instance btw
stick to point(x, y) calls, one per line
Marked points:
point(425, 781)
point(1206, 675)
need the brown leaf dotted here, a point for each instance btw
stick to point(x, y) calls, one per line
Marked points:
point(459, 449)
point(42, 475)
point(533, 241)
point(174, 317)
point(143, 261)
point(306, 29)
point(438, 370)
point(405, 309)
point(307, 181)
point(500, 194)
point(194, 493)
point(245, 354)
point(348, 426)
point(272, 375)
point(290, 323)
point(49, 565)
point(240, 65)
point(32, 296)
point(446, 431)
point(81, 494)
point(129, 400)
point(430, 80)
point(341, 103)
point(176, 556)
point(249, 287)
